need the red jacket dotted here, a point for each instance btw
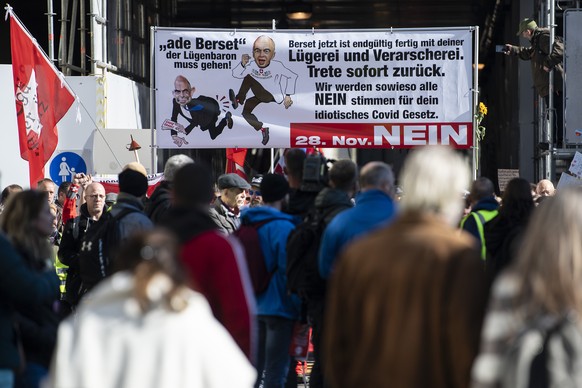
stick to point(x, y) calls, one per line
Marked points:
point(217, 269)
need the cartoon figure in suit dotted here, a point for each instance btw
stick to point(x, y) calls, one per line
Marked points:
point(188, 112)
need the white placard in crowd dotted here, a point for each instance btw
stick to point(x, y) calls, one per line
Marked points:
point(359, 89)
point(576, 165)
point(567, 180)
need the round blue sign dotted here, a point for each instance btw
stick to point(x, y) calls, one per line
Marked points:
point(65, 165)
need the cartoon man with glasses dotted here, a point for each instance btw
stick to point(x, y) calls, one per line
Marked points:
point(189, 112)
point(269, 81)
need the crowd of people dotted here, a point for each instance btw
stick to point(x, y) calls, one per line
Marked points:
point(399, 287)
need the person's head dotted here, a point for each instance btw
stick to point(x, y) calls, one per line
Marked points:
point(294, 160)
point(8, 191)
point(110, 199)
point(256, 199)
point(95, 199)
point(517, 202)
point(343, 175)
point(526, 28)
point(62, 192)
point(27, 220)
point(49, 187)
point(274, 189)
point(193, 186)
point(159, 277)
point(432, 178)
point(182, 90)
point(173, 164)
point(482, 188)
point(233, 190)
point(377, 176)
point(133, 181)
point(550, 258)
point(263, 51)
point(545, 188)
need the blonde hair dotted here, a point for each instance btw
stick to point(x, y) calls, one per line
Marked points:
point(432, 178)
point(550, 259)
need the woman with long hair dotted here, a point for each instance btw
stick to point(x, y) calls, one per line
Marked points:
point(143, 327)
point(504, 233)
point(544, 284)
point(27, 221)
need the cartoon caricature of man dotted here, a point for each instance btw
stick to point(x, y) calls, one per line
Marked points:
point(269, 80)
point(188, 112)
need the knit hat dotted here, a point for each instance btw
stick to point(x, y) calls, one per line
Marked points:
point(526, 24)
point(274, 187)
point(227, 181)
point(133, 182)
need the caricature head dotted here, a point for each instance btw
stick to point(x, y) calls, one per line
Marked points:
point(182, 90)
point(263, 51)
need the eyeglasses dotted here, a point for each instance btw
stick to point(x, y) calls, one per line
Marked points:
point(255, 192)
point(185, 91)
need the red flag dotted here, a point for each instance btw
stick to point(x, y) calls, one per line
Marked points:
point(235, 161)
point(42, 99)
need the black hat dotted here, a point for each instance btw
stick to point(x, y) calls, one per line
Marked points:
point(133, 182)
point(274, 187)
point(227, 181)
point(256, 181)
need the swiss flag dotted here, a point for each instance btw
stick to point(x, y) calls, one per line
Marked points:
point(42, 99)
point(235, 161)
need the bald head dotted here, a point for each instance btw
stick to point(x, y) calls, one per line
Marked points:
point(95, 198)
point(263, 51)
point(377, 176)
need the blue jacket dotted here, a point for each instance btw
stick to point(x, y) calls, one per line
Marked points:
point(20, 288)
point(273, 237)
point(373, 208)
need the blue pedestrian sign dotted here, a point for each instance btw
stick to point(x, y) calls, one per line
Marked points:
point(65, 165)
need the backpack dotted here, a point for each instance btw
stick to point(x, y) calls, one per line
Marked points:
point(248, 235)
point(303, 243)
point(547, 353)
point(96, 248)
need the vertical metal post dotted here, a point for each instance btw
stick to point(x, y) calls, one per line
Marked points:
point(82, 40)
point(551, 105)
point(475, 100)
point(51, 33)
point(153, 87)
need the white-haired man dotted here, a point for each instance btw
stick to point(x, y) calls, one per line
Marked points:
point(407, 300)
point(160, 200)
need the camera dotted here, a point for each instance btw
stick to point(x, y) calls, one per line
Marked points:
point(500, 48)
point(315, 173)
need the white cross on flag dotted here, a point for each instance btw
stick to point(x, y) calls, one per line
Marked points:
point(42, 99)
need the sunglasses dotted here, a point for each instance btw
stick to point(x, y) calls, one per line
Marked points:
point(255, 192)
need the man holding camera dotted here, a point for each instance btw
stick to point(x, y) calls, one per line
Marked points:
point(543, 60)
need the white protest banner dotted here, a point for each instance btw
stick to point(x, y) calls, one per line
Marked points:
point(280, 89)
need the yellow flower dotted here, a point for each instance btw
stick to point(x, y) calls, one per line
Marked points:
point(479, 116)
point(482, 109)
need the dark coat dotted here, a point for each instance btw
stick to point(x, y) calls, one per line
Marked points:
point(226, 220)
point(19, 288)
point(159, 202)
point(404, 308)
point(540, 55)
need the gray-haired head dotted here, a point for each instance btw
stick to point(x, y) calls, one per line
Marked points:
point(432, 178)
point(377, 175)
point(173, 164)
